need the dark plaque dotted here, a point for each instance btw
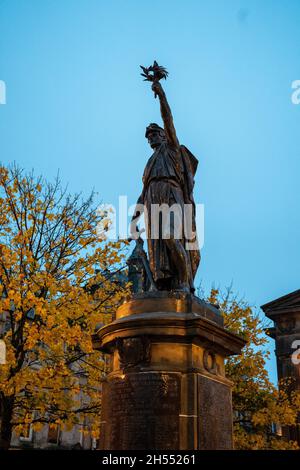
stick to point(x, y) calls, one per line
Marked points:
point(133, 351)
point(142, 411)
point(214, 415)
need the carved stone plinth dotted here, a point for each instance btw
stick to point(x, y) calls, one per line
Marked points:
point(167, 387)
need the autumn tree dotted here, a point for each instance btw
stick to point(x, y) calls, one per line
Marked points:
point(257, 404)
point(57, 282)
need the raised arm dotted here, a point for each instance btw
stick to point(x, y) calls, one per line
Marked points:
point(166, 114)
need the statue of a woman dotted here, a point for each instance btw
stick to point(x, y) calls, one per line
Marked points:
point(168, 182)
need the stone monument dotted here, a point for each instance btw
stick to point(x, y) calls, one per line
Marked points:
point(167, 387)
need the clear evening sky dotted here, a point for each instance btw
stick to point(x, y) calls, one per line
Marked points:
point(76, 102)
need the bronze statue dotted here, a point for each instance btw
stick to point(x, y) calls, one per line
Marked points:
point(168, 180)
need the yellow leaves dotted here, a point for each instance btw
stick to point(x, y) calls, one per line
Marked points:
point(50, 321)
point(5, 304)
point(18, 314)
point(74, 335)
point(255, 399)
point(37, 427)
point(246, 441)
point(95, 433)
point(68, 222)
point(32, 336)
point(47, 267)
point(30, 297)
point(260, 441)
point(3, 175)
point(50, 217)
point(90, 269)
point(282, 408)
point(213, 297)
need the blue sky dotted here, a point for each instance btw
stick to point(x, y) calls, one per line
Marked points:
point(76, 102)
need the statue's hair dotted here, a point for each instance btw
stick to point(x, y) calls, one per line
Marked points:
point(156, 128)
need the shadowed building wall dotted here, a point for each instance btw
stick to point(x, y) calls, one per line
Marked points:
point(285, 313)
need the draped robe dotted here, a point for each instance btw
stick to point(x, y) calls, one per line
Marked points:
point(169, 178)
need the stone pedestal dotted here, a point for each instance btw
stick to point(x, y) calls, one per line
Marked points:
point(167, 387)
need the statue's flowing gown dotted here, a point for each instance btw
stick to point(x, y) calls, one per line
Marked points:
point(168, 179)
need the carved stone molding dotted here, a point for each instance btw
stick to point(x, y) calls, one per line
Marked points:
point(209, 361)
point(286, 326)
point(134, 351)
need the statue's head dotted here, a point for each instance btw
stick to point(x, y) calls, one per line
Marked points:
point(155, 135)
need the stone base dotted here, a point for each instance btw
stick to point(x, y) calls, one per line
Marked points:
point(167, 387)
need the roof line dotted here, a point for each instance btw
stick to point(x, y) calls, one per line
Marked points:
point(284, 297)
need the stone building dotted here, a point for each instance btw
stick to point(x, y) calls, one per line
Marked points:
point(285, 313)
point(54, 438)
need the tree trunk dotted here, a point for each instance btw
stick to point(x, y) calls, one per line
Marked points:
point(7, 406)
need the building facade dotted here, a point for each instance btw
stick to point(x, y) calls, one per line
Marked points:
point(285, 314)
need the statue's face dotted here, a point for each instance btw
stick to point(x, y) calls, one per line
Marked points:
point(154, 139)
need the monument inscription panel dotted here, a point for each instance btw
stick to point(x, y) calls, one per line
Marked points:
point(214, 415)
point(142, 411)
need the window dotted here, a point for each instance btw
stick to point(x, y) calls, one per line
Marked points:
point(27, 433)
point(53, 434)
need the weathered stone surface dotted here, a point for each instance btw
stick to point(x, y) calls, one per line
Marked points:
point(141, 411)
point(165, 301)
point(214, 415)
point(167, 387)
